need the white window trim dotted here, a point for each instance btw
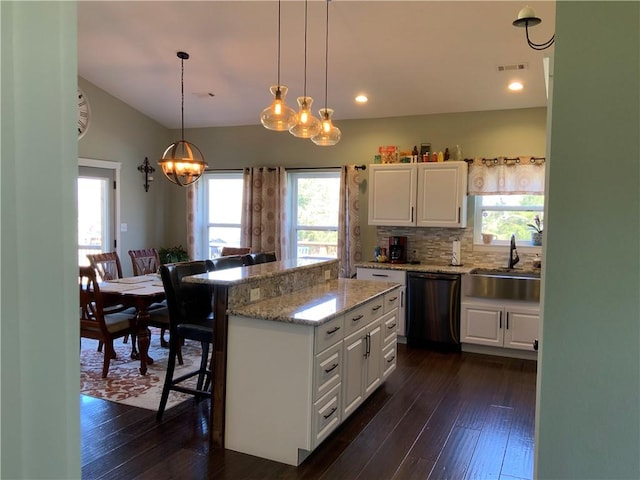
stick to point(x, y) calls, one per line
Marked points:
point(478, 245)
point(293, 204)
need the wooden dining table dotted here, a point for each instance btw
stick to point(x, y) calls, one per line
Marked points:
point(139, 292)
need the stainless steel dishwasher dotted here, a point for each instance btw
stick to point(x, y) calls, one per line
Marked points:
point(433, 310)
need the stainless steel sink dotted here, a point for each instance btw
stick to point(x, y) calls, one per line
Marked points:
point(508, 284)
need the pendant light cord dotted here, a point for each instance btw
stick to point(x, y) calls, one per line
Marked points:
point(182, 95)
point(305, 52)
point(326, 59)
point(278, 45)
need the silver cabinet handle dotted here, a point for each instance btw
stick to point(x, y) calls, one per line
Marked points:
point(355, 319)
point(391, 359)
point(334, 330)
point(392, 326)
point(500, 325)
point(379, 275)
point(393, 299)
point(376, 308)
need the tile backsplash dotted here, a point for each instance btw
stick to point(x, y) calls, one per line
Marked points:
point(434, 245)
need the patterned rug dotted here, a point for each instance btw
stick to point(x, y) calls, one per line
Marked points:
point(124, 384)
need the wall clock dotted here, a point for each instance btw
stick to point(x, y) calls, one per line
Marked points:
point(84, 114)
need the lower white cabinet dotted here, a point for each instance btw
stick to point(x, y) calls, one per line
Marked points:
point(290, 385)
point(362, 366)
point(398, 296)
point(499, 325)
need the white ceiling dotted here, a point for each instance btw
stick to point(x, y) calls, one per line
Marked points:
point(409, 57)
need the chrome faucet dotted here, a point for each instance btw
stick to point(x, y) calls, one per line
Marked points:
point(513, 253)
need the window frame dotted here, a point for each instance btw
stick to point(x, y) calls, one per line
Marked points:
point(292, 204)
point(206, 225)
point(477, 221)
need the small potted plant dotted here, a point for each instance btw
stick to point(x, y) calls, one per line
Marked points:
point(536, 234)
point(173, 254)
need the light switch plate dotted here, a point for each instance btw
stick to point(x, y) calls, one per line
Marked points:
point(124, 227)
point(254, 295)
point(327, 274)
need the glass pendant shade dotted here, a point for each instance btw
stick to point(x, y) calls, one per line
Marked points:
point(182, 163)
point(278, 116)
point(329, 134)
point(307, 125)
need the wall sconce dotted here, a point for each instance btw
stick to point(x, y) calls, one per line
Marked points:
point(147, 169)
point(527, 17)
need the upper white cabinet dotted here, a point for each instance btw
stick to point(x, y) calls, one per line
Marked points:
point(422, 195)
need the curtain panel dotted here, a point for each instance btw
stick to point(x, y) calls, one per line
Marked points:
point(194, 222)
point(349, 242)
point(503, 175)
point(263, 210)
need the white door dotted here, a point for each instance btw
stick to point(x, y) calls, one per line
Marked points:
point(97, 207)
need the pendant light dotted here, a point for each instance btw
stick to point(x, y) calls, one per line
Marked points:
point(329, 134)
point(307, 125)
point(182, 162)
point(278, 116)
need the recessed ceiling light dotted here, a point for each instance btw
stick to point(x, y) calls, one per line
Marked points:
point(515, 86)
point(362, 99)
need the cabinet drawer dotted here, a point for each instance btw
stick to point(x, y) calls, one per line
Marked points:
point(392, 300)
point(328, 334)
point(357, 318)
point(389, 327)
point(327, 368)
point(382, 275)
point(375, 307)
point(326, 415)
point(389, 359)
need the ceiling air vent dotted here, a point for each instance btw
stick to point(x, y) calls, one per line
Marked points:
point(512, 67)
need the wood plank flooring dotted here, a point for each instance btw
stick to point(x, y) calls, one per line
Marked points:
point(438, 416)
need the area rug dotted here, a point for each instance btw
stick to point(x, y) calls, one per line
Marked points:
point(124, 384)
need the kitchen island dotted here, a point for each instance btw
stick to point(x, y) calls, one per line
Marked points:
point(296, 351)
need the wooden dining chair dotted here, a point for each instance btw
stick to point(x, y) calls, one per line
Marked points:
point(94, 322)
point(108, 267)
point(226, 251)
point(144, 262)
point(191, 318)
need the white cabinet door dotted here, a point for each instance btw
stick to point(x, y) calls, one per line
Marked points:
point(353, 383)
point(392, 194)
point(442, 193)
point(521, 328)
point(373, 359)
point(481, 325)
point(499, 326)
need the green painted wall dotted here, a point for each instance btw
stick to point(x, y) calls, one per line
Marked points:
point(589, 375)
point(39, 296)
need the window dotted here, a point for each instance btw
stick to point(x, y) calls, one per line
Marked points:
point(314, 201)
point(504, 215)
point(222, 210)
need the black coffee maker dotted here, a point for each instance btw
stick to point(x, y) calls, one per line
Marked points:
point(398, 249)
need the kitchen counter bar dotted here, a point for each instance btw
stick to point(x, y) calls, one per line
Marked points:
point(317, 304)
point(443, 268)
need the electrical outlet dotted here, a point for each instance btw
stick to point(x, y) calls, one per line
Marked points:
point(254, 295)
point(327, 274)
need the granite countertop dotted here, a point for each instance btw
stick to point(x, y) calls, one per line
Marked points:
point(443, 268)
point(239, 275)
point(317, 304)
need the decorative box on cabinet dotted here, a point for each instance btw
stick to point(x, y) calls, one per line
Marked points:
point(423, 194)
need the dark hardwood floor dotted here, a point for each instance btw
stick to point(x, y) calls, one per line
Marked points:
point(439, 415)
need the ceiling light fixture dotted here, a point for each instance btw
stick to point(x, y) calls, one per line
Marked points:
point(515, 86)
point(306, 125)
point(527, 17)
point(278, 116)
point(362, 99)
point(329, 134)
point(182, 162)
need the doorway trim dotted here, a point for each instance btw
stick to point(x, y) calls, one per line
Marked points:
point(115, 166)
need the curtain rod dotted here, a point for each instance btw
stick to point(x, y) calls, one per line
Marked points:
point(358, 167)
